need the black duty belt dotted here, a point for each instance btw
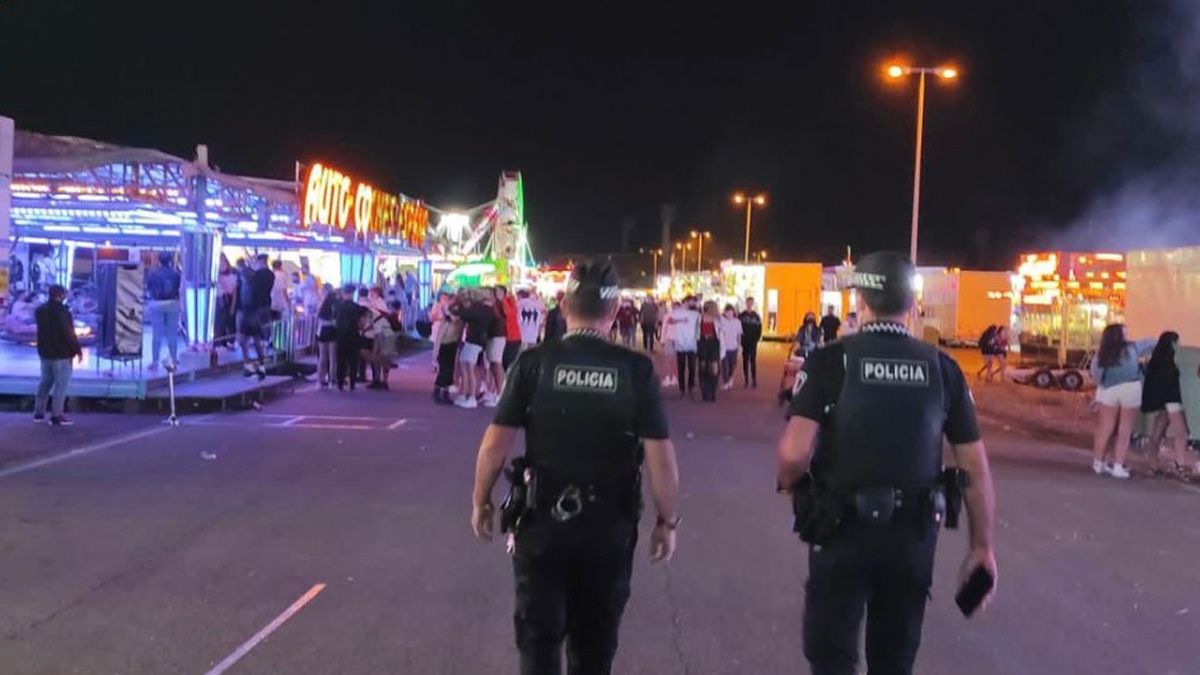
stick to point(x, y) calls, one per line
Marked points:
point(564, 498)
point(885, 504)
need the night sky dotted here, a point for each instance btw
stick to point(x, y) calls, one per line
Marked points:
point(610, 110)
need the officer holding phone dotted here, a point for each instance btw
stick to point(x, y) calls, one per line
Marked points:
point(591, 414)
point(862, 457)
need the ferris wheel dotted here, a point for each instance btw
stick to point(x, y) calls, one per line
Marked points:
point(495, 231)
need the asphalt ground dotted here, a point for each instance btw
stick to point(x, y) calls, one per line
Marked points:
point(136, 548)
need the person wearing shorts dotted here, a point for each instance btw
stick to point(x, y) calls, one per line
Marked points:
point(477, 317)
point(1118, 379)
point(1162, 398)
point(494, 351)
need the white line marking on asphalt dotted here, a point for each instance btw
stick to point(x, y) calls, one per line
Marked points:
point(397, 424)
point(266, 631)
point(292, 421)
point(89, 449)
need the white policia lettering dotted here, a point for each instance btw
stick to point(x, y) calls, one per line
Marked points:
point(580, 378)
point(892, 371)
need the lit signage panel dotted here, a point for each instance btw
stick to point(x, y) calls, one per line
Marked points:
point(333, 199)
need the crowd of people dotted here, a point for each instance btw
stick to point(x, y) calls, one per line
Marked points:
point(478, 334)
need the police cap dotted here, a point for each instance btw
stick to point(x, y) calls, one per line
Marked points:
point(885, 280)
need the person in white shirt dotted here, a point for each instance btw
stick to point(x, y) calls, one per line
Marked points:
point(531, 315)
point(851, 326)
point(686, 322)
point(281, 292)
point(666, 357)
point(729, 328)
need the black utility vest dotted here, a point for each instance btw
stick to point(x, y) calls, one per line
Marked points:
point(886, 427)
point(581, 419)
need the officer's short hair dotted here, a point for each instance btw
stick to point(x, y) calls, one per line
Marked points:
point(593, 291)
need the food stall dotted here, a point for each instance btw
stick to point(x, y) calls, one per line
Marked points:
point(784, 291)
point(1065, 299)
point(958, 305)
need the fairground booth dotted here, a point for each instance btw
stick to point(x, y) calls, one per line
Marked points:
point(1064, 301)
point(93, 217)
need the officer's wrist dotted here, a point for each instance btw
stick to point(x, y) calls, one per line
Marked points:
point(670, 523)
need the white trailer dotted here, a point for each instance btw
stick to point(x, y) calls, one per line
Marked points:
point(1164, 294)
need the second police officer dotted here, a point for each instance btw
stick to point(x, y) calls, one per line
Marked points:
point(591, 412)
point(867, 419)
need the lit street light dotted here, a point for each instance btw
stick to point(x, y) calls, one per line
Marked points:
point(655, 254)
point(759, 200)
point(895, 72)
point(760, 255)
point(700, 237)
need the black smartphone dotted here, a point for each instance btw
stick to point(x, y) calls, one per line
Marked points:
point(972, 593)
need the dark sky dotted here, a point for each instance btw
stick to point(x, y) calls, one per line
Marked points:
point(611, 109)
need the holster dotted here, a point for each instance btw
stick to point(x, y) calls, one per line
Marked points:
point(522, 494)
point(953, 482)
point(820, 512)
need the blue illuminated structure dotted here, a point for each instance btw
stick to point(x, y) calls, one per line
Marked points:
point(76, 193)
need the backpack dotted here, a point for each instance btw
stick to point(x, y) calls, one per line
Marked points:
point(989, 334)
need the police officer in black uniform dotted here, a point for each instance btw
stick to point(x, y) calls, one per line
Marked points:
point(867, 419)
point(591, 411)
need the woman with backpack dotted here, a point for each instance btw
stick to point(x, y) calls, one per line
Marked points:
point(1162, 398)
point(987, 350)
point(1118, 378)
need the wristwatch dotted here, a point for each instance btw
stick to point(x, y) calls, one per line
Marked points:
point(669, 524)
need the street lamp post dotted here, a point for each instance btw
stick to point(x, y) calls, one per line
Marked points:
point(760, 200)
point(655, 254)
point(700, 237)
point(896, 72)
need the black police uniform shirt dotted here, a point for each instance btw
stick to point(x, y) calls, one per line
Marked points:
point(884, 401)
point(585, 405)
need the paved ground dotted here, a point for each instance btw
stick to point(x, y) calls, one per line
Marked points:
point(147, 555)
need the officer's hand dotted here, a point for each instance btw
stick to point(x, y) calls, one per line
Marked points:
point(662, 544)
point(482, 521)
point(980, 558)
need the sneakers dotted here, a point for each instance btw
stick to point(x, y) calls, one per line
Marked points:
point(1099, 467)
point(490, 400)
point(38, 418)
point(466, 402)
point(1118, 471)
point(56, 421)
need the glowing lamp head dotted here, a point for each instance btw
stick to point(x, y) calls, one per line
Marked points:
point(739, 198)
point(761, 200)
point(896, 71)
point(948, 73)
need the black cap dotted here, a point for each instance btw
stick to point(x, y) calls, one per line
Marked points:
point(885, 280)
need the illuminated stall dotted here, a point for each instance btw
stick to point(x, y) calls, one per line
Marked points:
point(1065, 300)
point(77, 203)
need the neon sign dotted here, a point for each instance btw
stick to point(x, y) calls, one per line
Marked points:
point(331, 198)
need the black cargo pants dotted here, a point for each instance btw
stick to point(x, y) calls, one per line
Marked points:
point(572, 584)
point(883, 571)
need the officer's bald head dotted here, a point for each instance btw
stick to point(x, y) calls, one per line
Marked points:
point(885, 282)
point(593, 293)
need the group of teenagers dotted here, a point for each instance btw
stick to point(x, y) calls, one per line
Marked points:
point(478, 333)
point(1128, 383)
point(701, 341)
point(356, 329)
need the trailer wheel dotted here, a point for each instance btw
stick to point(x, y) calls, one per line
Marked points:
point(1042, 379)
point(1072, 380)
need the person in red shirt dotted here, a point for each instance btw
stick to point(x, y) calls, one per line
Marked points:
point(507, 305)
